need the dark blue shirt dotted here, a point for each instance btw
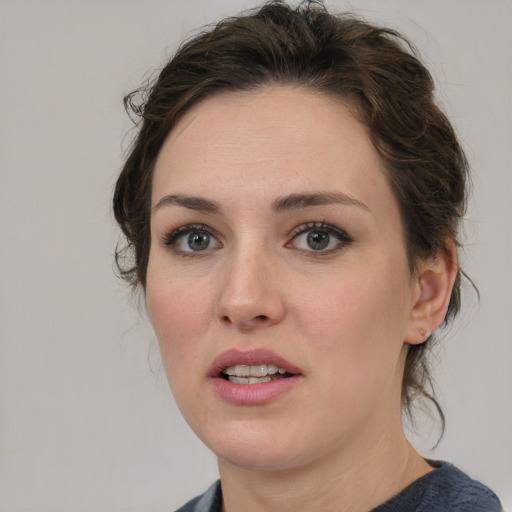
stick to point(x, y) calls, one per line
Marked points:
point(444, 489)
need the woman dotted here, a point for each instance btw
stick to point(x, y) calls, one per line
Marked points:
point(292, 203)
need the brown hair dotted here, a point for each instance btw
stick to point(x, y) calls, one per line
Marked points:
point(374, 68)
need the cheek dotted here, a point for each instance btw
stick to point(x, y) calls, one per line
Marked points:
point(179, 314)
point(178, 319)
point(357, 330)
point(353, 306)
point(358, 323)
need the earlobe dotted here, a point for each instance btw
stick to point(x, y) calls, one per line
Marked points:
point(434, 284)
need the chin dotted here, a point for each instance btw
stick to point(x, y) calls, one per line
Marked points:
point(255, 459)
point(258, 449)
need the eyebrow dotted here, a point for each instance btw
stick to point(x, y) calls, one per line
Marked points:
point(198, 204)
point(282, 204)
point(299, 201)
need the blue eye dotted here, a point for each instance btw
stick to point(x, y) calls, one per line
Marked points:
point(198, 241)
point(318, 240)
point(191, 239)
point(319, 237)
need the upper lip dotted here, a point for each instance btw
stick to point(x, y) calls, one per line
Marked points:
point(234, 357)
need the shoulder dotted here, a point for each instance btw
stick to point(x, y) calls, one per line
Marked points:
point(446, 488)
point(454, 489)
point(210, 501)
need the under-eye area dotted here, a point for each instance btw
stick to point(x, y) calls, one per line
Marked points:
point(254, 374)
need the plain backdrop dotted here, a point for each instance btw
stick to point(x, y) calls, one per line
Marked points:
point(86, 420)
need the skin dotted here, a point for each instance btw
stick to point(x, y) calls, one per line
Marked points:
point(343, 315)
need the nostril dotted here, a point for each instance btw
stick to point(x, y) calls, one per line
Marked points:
point(252, 322)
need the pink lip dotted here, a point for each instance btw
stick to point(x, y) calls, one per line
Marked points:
point(252, 394)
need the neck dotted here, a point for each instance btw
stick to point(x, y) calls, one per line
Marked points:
point(338, 482)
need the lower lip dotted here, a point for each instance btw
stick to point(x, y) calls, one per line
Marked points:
point(253, 394)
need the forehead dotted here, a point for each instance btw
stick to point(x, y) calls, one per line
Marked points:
point(273, 140)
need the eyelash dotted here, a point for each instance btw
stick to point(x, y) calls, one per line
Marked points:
point(171, 239)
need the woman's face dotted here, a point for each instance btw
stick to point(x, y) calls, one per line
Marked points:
point(276, 243)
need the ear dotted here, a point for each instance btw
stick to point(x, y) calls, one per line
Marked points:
point(433, 286)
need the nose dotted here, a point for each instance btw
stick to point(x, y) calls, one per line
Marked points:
point(251, 295)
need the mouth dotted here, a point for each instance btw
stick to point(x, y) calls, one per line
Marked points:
point(254, 374)
point(253, 377)
point(252, 367)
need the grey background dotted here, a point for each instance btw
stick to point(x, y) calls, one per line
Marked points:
point(86, 420)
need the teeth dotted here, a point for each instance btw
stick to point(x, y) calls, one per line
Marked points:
point(249, 380)
point(257, 370)
point(272, 369)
